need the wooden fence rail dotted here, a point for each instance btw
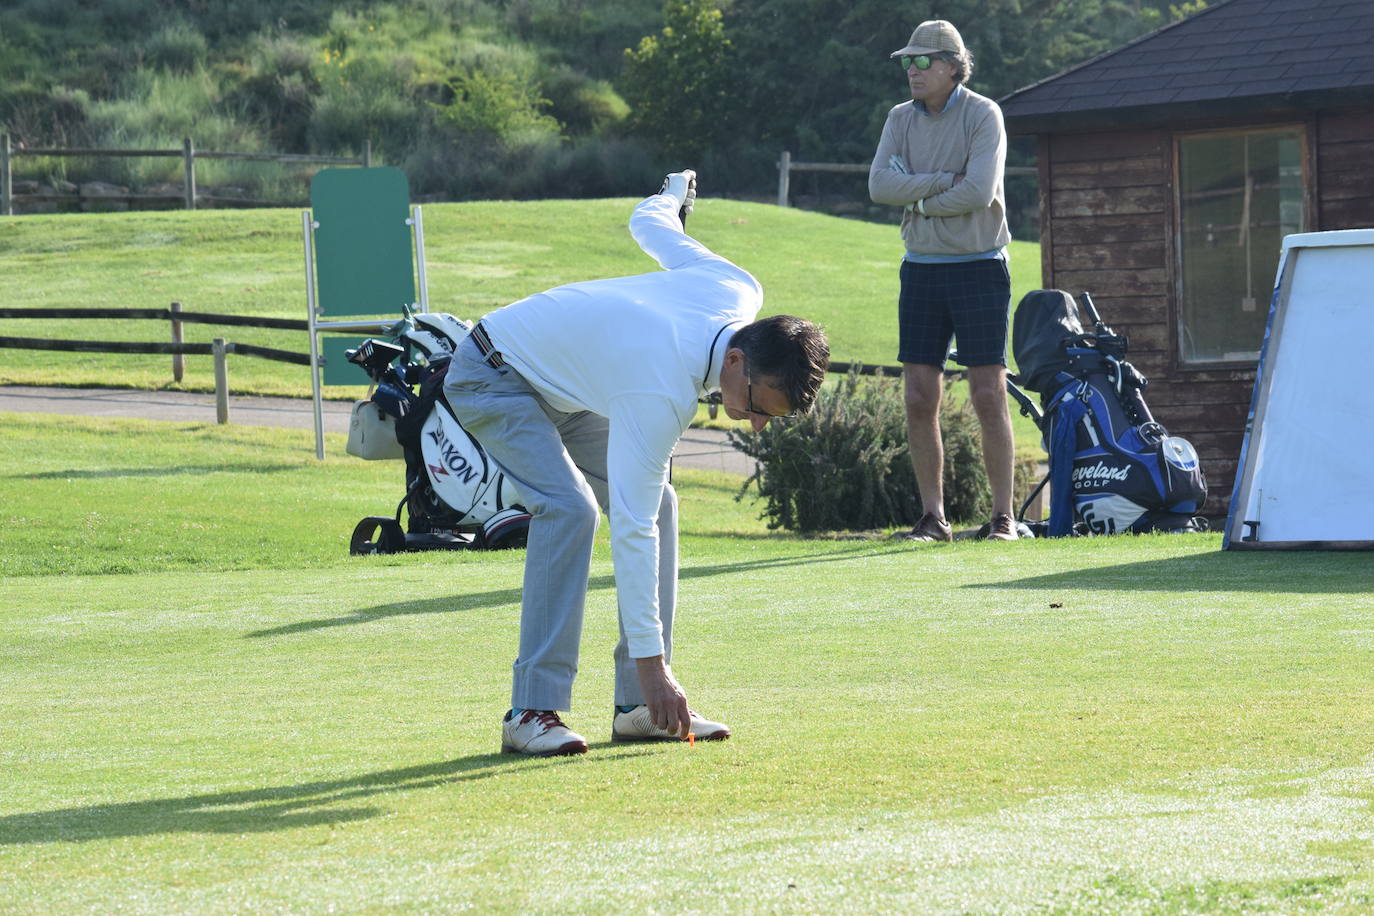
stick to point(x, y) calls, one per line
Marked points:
point(219, 349)
point(188, 153)
point(177, 316)
point(173, 314)
point(786, 167)
point(129, 346)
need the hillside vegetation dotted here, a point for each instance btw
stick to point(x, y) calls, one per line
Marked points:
point(503, 98)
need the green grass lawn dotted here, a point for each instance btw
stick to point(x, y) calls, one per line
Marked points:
point(840, 273)
point(206, 706)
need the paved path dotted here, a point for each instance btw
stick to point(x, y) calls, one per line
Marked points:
point(699, 448)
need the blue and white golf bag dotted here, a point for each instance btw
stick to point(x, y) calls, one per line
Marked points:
point(1112, 467)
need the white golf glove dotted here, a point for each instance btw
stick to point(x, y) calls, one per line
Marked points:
point(681, 186)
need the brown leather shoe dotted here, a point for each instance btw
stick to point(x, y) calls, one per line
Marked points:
point(930, 528)
point(1003, 528)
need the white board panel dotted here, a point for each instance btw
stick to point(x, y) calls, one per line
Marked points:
point(1307, 468)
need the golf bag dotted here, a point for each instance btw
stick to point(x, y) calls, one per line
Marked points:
point(1112, 467)
point(457, 497)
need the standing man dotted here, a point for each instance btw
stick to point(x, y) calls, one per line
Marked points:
point(941, 159)
point(581, 393)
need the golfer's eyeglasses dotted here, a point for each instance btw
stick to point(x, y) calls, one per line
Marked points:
point(749, 401)
point(919, 61)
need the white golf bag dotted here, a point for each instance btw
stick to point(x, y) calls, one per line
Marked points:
point(457, 497)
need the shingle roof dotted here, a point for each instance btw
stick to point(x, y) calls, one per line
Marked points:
point(1233, 50)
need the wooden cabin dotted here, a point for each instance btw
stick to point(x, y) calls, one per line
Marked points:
point(1172, 168)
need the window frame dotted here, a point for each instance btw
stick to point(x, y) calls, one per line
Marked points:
point(1305, 131)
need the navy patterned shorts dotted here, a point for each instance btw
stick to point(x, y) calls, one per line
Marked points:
point(967, 301)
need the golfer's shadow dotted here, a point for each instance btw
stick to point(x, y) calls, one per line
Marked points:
point(501, 597)
point(307, 804)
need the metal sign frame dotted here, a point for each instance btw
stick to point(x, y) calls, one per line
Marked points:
point(315, 311)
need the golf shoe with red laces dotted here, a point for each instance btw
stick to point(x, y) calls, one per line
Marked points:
point(635, 725)
point(539, 733)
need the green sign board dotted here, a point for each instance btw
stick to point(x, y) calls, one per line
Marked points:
point(363, 248)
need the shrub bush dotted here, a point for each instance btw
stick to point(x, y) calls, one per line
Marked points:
point(582, 105)
point(499, 104)
point(178, 47)
point(845, 465)
point(365, 98)
point(38, 117)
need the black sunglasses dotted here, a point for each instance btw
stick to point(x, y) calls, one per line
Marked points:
point(749, 401)
point(920, 61)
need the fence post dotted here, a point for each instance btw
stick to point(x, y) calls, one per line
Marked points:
point(784, 177)
point(1036, 510)
point(188, 162)
point(6, 182)
point(178, 361)
point(221, 380)
point(367, 153)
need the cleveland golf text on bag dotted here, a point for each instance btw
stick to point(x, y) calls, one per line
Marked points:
point(1113, 467)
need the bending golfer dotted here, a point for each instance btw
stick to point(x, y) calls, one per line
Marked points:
point(581, 393)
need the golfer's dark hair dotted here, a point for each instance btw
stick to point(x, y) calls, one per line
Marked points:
point(790, 352)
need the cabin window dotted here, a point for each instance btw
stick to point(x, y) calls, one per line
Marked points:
point(1239, 194)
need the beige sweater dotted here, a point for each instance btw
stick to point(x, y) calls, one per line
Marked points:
point(964, 218)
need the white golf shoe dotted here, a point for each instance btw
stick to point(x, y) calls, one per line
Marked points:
point(635, 725)
point(539, 733)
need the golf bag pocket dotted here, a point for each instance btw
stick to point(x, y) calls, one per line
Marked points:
point(1185, 487)
point(372, 433)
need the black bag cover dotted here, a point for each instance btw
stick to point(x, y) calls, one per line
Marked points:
point(1044, 317)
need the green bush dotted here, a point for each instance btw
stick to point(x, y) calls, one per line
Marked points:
point(365, 98)
point(581, 104)
point(497, 104)
point(446, 165)
point(275, 87)
point(38, 117)
point(845, 465)
point(177, 47)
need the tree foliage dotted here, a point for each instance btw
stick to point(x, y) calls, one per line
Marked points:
point(679, 82)
point(498, 104)
point(816, 77)
point(440, 87)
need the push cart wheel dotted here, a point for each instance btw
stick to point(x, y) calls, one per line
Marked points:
point(377, 534)
point(506, 529)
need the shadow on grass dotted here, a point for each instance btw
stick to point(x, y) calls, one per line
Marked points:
point(260, 810)
point(1219, 571)
point(511, 596)
point(158, 472)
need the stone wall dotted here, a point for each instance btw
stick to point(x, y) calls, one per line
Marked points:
point(104, 197)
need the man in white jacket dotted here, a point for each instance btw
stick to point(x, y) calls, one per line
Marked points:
point(941, 158)
point(581, 393)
